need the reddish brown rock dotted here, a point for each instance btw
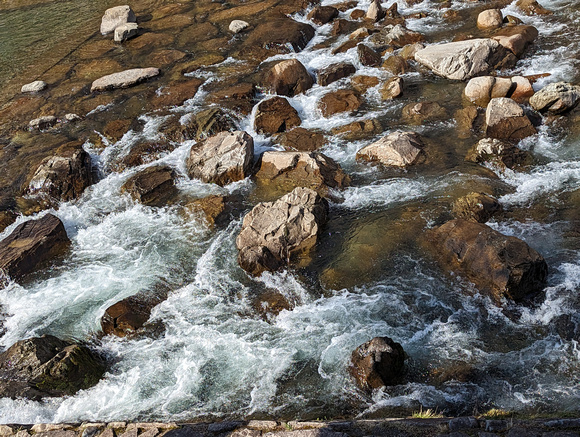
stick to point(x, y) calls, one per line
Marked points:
point(392, 88)
point(335, 72)
point(368, 56)
point(339, 101)
point(505, 119)
point(217, 210)
point(275, 115)
point(301, 140)
point(322, 14)
point(288, 78)
point(532, 7)
point(377, 363)
point(477, 207)
point(516, 38)
point(128, 315)
point(153, 186)
point(239, 97)
point(395, 64)
point(176, 93)
point(358, 130)
point(281, 35)
point(419, 113)
point(362, 83)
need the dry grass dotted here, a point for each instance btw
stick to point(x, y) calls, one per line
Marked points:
point(427, 414)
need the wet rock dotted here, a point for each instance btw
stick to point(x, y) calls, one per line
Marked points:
point(64, 176)
point(459, 423)
point(375, 12)
point(368, 56)
point(477, 207)
point(217, 210)
point(480, 90)
point(176, 93)
point(277, 234)
point(32, 244)
point(288, 170)
point(516, 38)
point(269, 304)
point(512, 21)
point(47, 366)
point(392, 88)
point(532, 7)
point(398, 149)
point(490, 19)
point(505, 119)
point(222, 159)
point(408, 52)
point(34, 87)
point(396, 35)
point(282, 35)
point(275, 115)
point(335, 72)
point(206, 123)
point(6, 219)
point(357, 14)
point(288, 78)
point(556, 98)
point(300, 139)
point(362, 83)
point(358, 34)
point(43, 123)
point(341, 26)
point(115, 129)
point(395, 64)
point(322, 14)
point(237, 26)
point(498, 152)
point(419, 113)
point(523, 90)
point(142, 153)
point(461, 60)
point(339, 101)
point(124, 79)
point(377, 363)
point(358, 130)
point(468, 120)
point(153, 186)
point(500, 265)
point(125, 32)
point(237, 97)
point(115, 17)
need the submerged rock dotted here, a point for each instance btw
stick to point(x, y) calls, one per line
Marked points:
point(377, 363)
point(216, 210)
point(499, 265)
point(153, 186)
point(275, 115)
point(124, 79)
point(277, 234)
point(32, 244)
point(501, 153)
point(115, 17)
point(505, 119)
point(478, 207)
point(288, 78)
point(47, 366)
point(358, 130)
point(397, 149)
point(556, 98)
point(207, 123)
point(419, 113)
point(339, 101)
point(300, 139)
point(396, 35)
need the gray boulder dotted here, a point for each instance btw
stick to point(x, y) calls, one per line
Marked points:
point(556, 98)
point(124, 79)
point(115, 17)
point(42, 123)
point(397, 149)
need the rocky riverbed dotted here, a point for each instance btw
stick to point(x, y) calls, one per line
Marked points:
point(283, 209)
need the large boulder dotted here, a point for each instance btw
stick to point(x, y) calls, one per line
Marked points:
point(32, 244)
point(556, 98)
point(224, 158)
point(477, 207)
point(154, 186)
point(124, 79)
point(277, 234)
point(115, 17)
point(275, 115)
point(505, 119)
point(397, 149)
point(288, 78)
point(301, 169)
point(377, 363)
point(63, 176)
point(335, 72)
point(339, 101)
point(497, 264)
point(498, 152)
point(47, 366)
point(462, 60)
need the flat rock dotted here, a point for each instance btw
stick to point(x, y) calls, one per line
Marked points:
point(556, 98)
point(115, 17)
point(34, 87)
point(301, 140)
point(358, 130)
point(397, 149)
point(498, 152)
point(396, 35)
point(505, 119)
point(422, 112)
point(124, 79)
point(377, 363)
point(282, 35)
point(532, 7)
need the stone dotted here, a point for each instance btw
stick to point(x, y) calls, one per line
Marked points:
point(498, 152)
point(396, 35)
point(216, 210)
point(6, 431)
point(48, 427)
point(32, 244)
point(408, 52)
point(377, 363)
point(395, 64)
point(275, 115)
point(335, 72)
point(502, 87)
point(114, 17)
point(375, 12)
point(226, 426)
point(91, 431)
point(419, 113)
point(358, 130)
point(392, 88)
point(301, 140)
point(490, 19)
point(477, 207)
point(222, 159)
point(238, 97)
point(47, 366)
point(505, 119)
point(288, 78)
point(262, 425)
point(322, 14)
point(282, 35)
point(34, 87)
point(397, 149)
point(339, 101)
point(125, 32)
point(362, 83)
point(478, 90)
point(153, 186)
point(237, 26)
point(277, 234)
point(206, 123)
point(368, 56)
point(357, 14)
point(360, 33)
point(43, 123)
point(523, 89)
point(532, 7)
point(70, 117)
point(556, 98)
point(500, 265)
point(288, 170)
point(63, 177)
point(469, 120)
point(124, 79)
point(516, 38)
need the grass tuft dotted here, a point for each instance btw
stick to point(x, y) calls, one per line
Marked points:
point(497, 413)
point(427, 414)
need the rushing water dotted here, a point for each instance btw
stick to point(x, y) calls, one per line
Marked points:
point(217, 357)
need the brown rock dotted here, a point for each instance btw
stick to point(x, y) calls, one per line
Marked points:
point(275, 115)
point(205, 124)
point(115, 129)
point(375, 12)
point(362, 83)
point(344, 47)
point(215, 209)
point(477, 207)
point(288, 78)
point(165, 57)
point(532, 7)
point(339, 101)
point(392, 88)
point(322, 14)
point(516, 38)
point(377, 363)
point(368, 56)
point(397, 149)
point(153, 186)
point(505, 119)
point(408, 52)
point(335, 72)
point(300, 139)
point(500, 153)
point(358, 130)
point(176, 93)
point(523, 90)
point(396, 35)
point(419, 113)
point(237, 97)
point(276, 36)
point(342, 26)
point(395, 64)
point(357, 14)
point(468, 120)
point(143, 153)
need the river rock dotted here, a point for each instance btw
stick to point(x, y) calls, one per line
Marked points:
point(216, 210)
point(32, 244)
point(397, 149)
point(237, 26)
point(395, 64)
point(34, 87)
point(125, 32)
point(392, 88)
point(275, 115)
point(490, 19)
point(408, 52)
point(462, 60)
point(43, 123)
point(238, 97)
point(419, 113)
point(500, 153)
point(322, 14)
point(115, 17)
point(281, 233)
point(523, 89)
point(497, 264)
point(124, 79)
point(301, 169)
point(288, 78)
point(358, 130)
point(556, 98)
point(396, 35)
point(480, 90)
point(532, 7)
point(339, 101)
point(377, 363)
point(375, 12)
point(64, 176)
point(368, 56)
point(205, 124)
point(469, 120)
point(153, 186)
point(505, 119)
point(222, 159)
point(300, 139)
point(516, 38)
point(477, 207)
point(362, 83)
point(282, 35)
point(335, 72)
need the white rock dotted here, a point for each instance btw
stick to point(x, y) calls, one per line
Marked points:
point(236, 26)
point(398, 149)
point(42, 123)
point(126, 31)
point(72, 117)
point(490, 19)
point(33, 87)
point(124, 79)
point(375, 11)
point(114, 17)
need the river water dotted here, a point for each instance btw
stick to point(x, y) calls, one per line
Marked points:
point(218, 357)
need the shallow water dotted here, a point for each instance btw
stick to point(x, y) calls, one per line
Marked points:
point(217, 357)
